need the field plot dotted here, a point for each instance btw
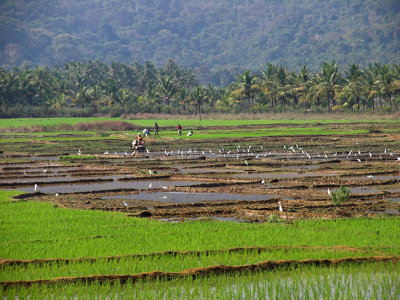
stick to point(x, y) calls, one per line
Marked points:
point(244, 199)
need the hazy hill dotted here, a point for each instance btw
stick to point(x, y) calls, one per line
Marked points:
point(215, 37)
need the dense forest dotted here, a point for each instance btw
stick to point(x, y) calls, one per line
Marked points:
point(97, 88)
point(215, 38)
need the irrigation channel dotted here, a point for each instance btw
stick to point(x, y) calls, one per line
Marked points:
point(236, 179)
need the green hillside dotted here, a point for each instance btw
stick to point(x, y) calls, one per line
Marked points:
point(217, 38)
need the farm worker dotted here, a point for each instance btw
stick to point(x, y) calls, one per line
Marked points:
point(179, 129)
point(146, 132)
point(190, 133)
point(140, 139)
point(156, 129)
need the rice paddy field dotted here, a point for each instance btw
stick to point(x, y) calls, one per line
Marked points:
point(240, 210)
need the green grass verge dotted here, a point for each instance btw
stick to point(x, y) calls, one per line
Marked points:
point(199, 135)
point(187, 123)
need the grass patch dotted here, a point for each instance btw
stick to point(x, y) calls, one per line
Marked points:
point(230, 120)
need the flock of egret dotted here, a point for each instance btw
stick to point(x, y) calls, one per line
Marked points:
point(245, 153)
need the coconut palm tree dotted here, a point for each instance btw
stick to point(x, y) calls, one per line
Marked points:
point(329, 81)
point(244, 88)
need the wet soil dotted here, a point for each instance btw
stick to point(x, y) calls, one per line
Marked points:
point(186, 181)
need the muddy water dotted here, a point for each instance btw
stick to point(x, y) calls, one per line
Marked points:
point(283, 175)
point(394, 199)
point(52, 158)
point(57, 179)
point(363, 190)
point(105, 186)
point(183, 197)
point(208, 170)
point(378, 177)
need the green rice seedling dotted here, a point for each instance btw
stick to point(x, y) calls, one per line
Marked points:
point(367, 281)
point(341, 195)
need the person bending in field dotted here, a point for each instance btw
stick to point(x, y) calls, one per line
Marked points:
point(140, 139)
point(190, 133)
point(179, 129)
point(146, 132)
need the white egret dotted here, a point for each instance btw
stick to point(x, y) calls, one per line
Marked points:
point(150, 172)
point(262, 182)
point(245, 161)
point(56, 194)
point(35, 187)
point(164, 188)
point(329, 192)
point(125, 204)
point(280, 207)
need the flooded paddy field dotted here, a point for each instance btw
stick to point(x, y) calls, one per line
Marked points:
point(245, 213)
point(235, 178)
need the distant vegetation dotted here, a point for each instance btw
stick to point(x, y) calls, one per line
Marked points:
point(216, 38)
point(96, 88)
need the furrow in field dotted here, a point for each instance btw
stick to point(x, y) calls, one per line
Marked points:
point(14, 262)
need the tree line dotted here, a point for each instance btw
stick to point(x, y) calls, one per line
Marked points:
point(97, 88)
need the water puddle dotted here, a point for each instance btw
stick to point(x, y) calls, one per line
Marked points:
point(206, 170)
point(222, 219)
point(51, 179)
point(363, 190)
point(283, 175)
point(53, 158)
point(106, 186)
point(183, 197)
point(308, 167)
point(372, 177)
point(394, 212)
point(394, 199)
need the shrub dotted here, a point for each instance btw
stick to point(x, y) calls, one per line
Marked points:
point(341, 195)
